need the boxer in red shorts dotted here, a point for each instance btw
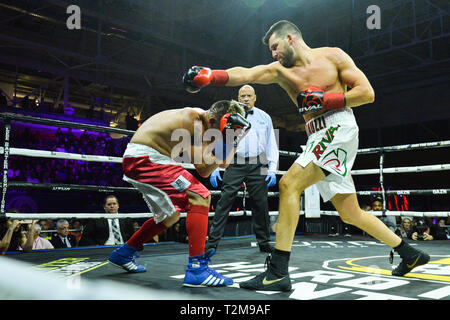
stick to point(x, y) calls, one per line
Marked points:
point(151, 163)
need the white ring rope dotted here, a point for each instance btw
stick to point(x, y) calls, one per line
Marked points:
point(96, 158)
point(109, 159)
point(428, 168)
point(397, 213)
point(37, 216)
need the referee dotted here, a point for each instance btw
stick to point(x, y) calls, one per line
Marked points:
point(257, 150)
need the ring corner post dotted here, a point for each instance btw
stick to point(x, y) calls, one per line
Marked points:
point(6, 147)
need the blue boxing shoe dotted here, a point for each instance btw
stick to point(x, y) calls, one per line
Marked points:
point(198, 274)
point(125, 258)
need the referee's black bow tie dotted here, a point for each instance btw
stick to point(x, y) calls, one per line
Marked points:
point(250, 111)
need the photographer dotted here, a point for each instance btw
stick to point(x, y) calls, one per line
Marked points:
point(16, 235)
point(422, 231)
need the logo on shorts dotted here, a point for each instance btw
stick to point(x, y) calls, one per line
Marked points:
point(181, 184)
point(323, 144)
point(315, 125)
point(337, 160)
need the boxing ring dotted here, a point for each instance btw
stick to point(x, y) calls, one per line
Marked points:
point(320, 269)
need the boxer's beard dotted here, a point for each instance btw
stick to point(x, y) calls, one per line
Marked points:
point(288, 58)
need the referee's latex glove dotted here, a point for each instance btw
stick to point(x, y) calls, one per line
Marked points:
point(213, 178)
point(272, 178)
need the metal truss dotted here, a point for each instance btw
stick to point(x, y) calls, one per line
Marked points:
point(411, 30)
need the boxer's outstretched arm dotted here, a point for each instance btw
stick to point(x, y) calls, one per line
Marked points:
point(196, 78)
point(261, 74)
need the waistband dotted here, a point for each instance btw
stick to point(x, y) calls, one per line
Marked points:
point(140, 150)
point(330, 118)
point(247, 160)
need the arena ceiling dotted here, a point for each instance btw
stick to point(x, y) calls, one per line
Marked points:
point(133, 53)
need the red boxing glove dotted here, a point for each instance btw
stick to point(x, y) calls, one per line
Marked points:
point(198, 77)
point(203, 77)
point(237, 123)
point(314, 99)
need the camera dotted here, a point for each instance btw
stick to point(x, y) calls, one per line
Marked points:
point(421, 228)
point(420, 236)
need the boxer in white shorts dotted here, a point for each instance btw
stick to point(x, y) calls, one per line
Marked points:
point(318, 81)
point(332, 145)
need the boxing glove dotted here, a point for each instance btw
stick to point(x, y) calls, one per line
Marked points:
point(196, 78)
point(237, 123)
point(314, 99)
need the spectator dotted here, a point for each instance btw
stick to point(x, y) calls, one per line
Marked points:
point(440, 231)
point(422, 231)
point(62, 238)
point(44, 227)
point(27, 238)
point(107, 231)
point(51, 224)
point(14, 236)
point(43, 223)
point(77, 230)
point(39, 242)
point(445, 226)
point(389, 221)
point(10, 235)
point(405, 229)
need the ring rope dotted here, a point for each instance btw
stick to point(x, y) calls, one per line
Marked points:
point(52, 215)
point(60, 123)
point(404, 147)
point(81, 187)
point(397, 213)
point(110, 159)
point(6, 150)
point(8, 117)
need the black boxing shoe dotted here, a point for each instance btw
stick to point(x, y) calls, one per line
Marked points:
point(411, 258)
point(268, 280)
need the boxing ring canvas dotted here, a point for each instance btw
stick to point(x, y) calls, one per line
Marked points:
point(321, 269)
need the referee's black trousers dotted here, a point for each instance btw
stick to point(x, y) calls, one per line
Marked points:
point(257, 189)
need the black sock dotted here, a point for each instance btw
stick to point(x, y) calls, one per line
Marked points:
point(400, 245)
point(280, 262)
point(405, 250)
